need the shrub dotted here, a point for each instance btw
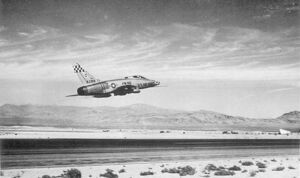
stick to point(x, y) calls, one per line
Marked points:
point(171, 170)
point(234, 168)
point(109, 174)
point(252, 173)
point(247, 163)
point(46, 176)
point(261, 165)
point(291, 167)
point(146, 173)
point(224, 173)
point(72, 173)
point(121, 170)
point(182, 171)
point(187, 170)
point(278, 169)
point(211, 167)
point(262, 170)
point(221, 167)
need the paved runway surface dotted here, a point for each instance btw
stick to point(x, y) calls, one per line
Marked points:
point(61, 152)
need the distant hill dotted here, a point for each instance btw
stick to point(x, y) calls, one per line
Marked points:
point(138, 116)
point(291, 117)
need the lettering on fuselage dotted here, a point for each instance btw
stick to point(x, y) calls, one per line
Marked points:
point(143, 85)
point(91, 81)
point(126, 83)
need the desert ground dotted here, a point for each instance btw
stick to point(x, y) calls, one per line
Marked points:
point(125, 124)
point(275, 167)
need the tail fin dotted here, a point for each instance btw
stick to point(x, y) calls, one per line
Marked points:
point(83, 75)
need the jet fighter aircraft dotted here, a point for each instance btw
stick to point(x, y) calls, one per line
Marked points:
point(99, 89)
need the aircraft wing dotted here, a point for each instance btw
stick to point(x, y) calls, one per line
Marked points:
point(122, 90)
point(72, 95)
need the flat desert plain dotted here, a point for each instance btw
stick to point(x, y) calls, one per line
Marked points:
point(260, 167)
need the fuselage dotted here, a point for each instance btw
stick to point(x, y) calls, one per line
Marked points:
point(117, 86)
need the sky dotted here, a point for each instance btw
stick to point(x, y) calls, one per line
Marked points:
point(238, 57)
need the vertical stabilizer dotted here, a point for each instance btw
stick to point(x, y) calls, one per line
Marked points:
point(83, 75)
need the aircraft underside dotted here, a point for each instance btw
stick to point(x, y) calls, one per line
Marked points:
point(118, 93)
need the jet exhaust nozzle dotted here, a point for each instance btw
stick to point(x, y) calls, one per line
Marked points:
point(82, 91)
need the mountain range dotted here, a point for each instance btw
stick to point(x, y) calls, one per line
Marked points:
point(138, 116)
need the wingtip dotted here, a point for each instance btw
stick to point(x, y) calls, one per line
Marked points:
point(72, 95)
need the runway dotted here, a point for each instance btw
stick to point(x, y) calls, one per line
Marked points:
point(30, 153)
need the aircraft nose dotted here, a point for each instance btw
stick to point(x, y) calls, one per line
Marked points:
point(82, 91)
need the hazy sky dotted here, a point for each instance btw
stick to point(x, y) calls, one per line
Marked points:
point(239, 57)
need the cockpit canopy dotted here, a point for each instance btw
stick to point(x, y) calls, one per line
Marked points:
point(136, 77)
